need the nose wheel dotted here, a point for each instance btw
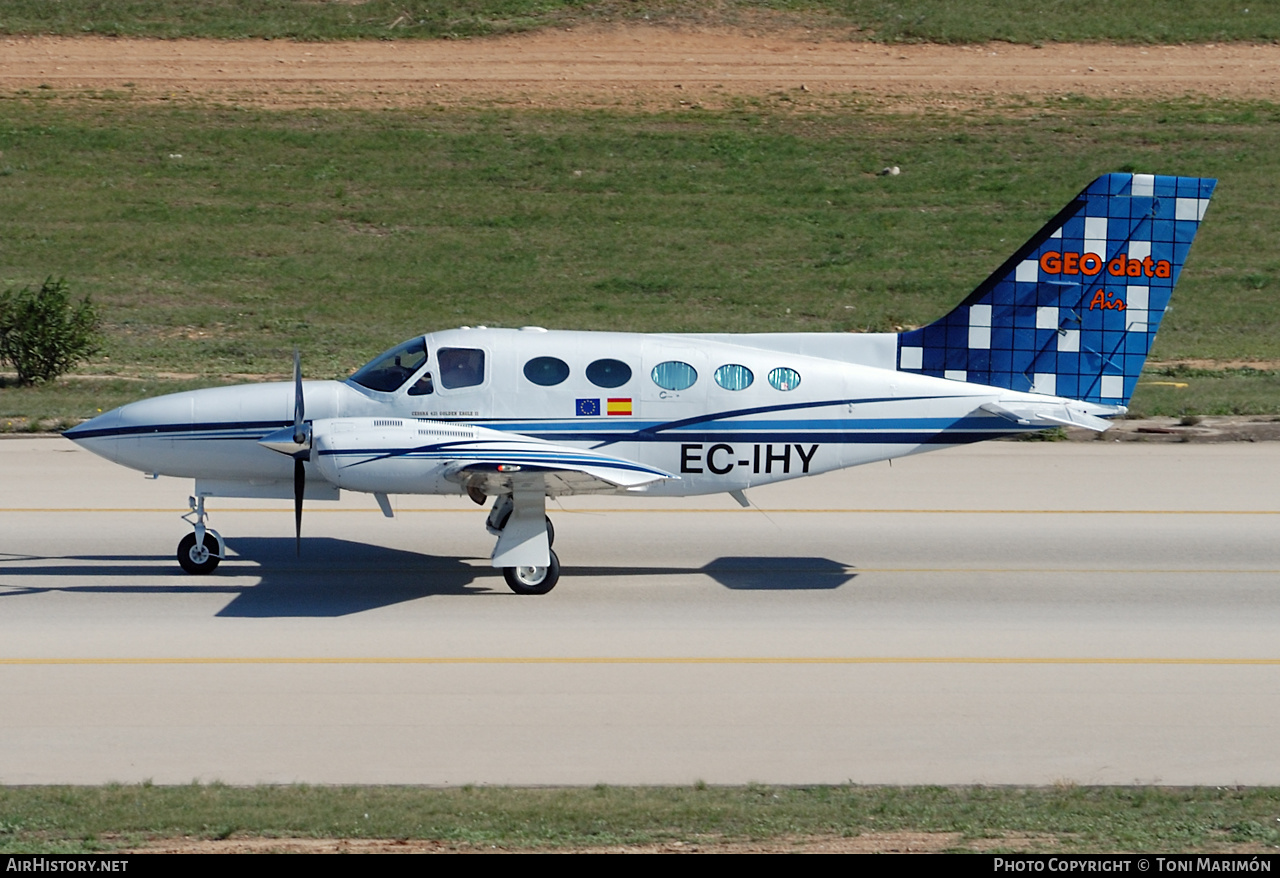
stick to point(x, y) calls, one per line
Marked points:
point(198, 559)
point(201, 551)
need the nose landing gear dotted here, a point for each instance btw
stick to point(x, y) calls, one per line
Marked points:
point(200, 552)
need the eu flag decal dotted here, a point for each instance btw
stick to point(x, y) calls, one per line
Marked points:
point(588, 407)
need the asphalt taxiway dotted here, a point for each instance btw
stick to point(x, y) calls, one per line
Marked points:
point(1003, 613)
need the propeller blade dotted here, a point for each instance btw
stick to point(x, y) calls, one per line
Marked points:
point(300, 436)
point(299, 486)
point(299, 404)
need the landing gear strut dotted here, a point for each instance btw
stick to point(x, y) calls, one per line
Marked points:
point(200, 552)
point(501, 514)
point(519, 519)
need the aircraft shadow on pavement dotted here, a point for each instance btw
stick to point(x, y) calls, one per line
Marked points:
point(332, 577)
point(336, 577)
point(779, 574)
point(743, 574)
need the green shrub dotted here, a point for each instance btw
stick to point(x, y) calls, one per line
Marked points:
point(42, 335)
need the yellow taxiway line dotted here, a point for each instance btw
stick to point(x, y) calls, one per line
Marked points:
point(639, 660)
point(662, 511)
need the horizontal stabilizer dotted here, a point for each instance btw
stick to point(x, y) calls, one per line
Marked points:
point(1047, 414)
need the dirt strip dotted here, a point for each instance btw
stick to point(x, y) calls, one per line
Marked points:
point(902, 842)
point(883, 842)
point(645, 67)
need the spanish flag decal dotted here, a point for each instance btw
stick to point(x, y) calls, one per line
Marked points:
point(620, 406)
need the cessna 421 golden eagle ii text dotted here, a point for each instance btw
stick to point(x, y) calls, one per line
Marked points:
point(1057, 335)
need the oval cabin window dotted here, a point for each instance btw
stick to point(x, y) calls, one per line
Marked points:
point(608, 373)
point(734, 377)
point(674, 375)
point(784, 379)
point(546, 371)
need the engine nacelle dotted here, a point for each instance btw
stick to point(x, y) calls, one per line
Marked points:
point(387, 455)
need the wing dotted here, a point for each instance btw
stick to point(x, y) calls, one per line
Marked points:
point(397, 456)
point(490, 466)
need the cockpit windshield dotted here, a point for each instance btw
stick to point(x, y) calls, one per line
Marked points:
point(391, 370)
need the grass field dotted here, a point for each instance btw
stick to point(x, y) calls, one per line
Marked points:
point(215, 240)
point(1067, 818)
point(1024, 21)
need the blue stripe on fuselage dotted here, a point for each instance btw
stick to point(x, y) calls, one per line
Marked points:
point(727, 426)
point(852, 435)
point(208, 430)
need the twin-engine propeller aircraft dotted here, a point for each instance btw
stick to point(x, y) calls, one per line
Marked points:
point(1056, 336)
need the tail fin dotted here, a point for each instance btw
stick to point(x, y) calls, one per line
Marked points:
point(1074, 311)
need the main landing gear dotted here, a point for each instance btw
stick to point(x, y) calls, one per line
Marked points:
point(525, 533)
point(200, 552)
point(501, 514)
point(533, 580)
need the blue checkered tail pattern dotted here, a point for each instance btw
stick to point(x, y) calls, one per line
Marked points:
point(1074, 312)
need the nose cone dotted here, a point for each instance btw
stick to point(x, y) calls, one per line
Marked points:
point(137, 434)
point(98, 434)
point(205, 434)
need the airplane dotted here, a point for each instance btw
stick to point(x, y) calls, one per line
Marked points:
point(1056, 336)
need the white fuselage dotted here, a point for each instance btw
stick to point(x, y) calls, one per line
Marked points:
point(687, 408)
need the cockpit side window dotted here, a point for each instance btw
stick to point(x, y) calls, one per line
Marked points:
point(392, 369)
point(423, 386)
point(460, 367)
